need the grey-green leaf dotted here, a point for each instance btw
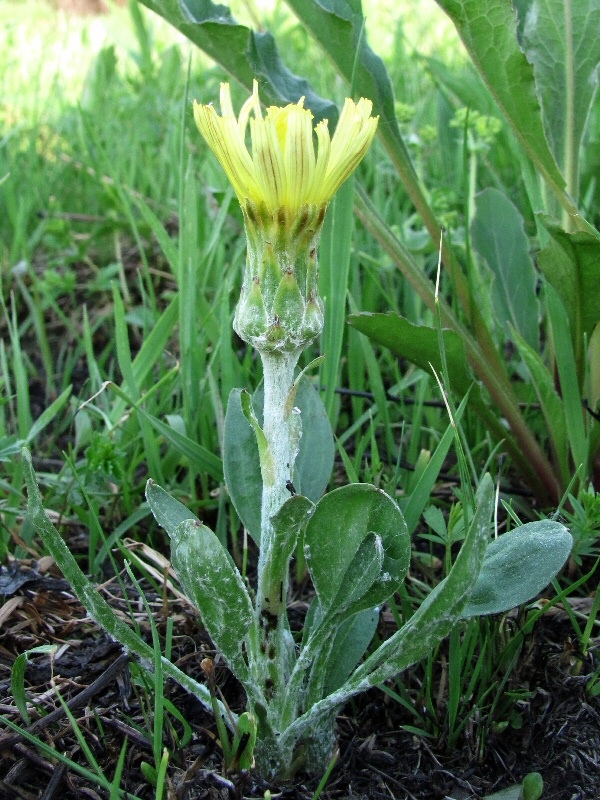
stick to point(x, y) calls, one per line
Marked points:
point(499, 237)
point(518, 565)
point(288, 523)
point(91, 598)
point(314, 463)
point(241, 466)
point(167, 511)
point(212, 582)
point(442, 608)
point(241, 463)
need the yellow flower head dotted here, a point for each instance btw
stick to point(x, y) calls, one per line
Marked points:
point(282, 168)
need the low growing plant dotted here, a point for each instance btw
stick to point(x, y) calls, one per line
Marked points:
point(278, 456)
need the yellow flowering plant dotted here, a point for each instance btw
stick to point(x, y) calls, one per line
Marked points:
point(354, 539)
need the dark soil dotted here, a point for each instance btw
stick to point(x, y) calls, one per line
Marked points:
point(555, 732)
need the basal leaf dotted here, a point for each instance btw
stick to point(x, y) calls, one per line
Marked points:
point(442, 608)
point(90, 597)
point(212, 582)
point(518, 565)
point(351, 640)
point(167, 511)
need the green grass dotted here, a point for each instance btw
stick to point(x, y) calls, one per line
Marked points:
point(121, 249)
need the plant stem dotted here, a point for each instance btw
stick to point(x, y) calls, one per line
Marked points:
point(278, 376)
point(277, 641)
point(570, 156)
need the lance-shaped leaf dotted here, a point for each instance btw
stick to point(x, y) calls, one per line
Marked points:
point(352, 526)
point(351, 640)
point(518, 565)
point(288, 524)
point(241, 465)
point(92, 600)
point(418, 343)
point(212, 582)
point(167, 511)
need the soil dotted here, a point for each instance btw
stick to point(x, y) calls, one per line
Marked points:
point(556, 730)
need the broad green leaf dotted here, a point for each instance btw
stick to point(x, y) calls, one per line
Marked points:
point(550, 401)
point(212, 582)
point(418, 343)
point(532, 788)
point(244, 53)
point(167, 511)
point(488, 29)
point(349, 524)
point(518, 565)
point(571, 263)
point(499, 237)
point(561, 40)
point(351, 640)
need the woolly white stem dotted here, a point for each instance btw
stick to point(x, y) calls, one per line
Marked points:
point(278, 376)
